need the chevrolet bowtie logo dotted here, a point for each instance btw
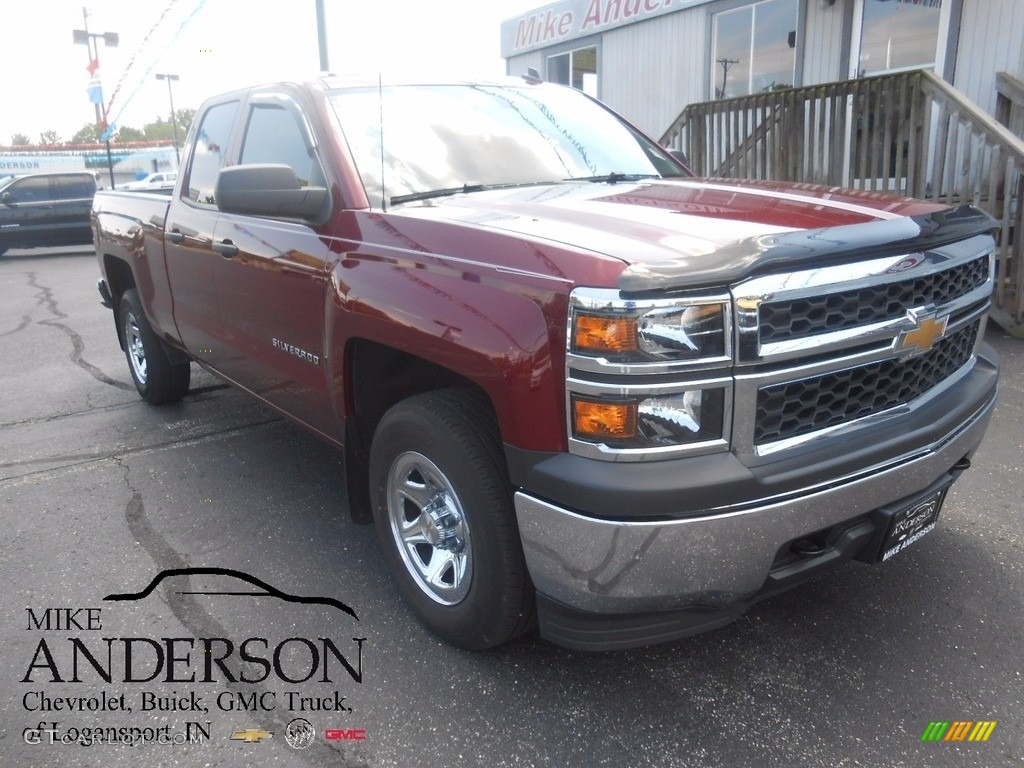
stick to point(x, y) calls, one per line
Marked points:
point(251, 735)
point(922, 338)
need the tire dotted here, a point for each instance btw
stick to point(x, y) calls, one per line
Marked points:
point(442, 506)
point(157, 379)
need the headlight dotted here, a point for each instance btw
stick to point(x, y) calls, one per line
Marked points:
point(680, 419)
point(648, 378)
point(650, 331)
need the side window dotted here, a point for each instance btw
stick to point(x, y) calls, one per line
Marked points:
point(210, 151)
point(34, 189)
point(273, 136)
point(73, 187)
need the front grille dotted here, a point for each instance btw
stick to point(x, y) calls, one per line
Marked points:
point(796, 408)
point(799, 318)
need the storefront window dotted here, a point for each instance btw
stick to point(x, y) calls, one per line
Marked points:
point(899, 34)
point(754, 48)
point(576, 68)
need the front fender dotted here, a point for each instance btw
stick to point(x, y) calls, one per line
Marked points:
point(478, 323)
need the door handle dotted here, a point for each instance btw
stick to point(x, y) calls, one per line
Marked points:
point(226, 248)
point(174, 236)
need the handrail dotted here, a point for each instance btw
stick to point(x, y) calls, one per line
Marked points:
point(908, 133)
point(968, 110)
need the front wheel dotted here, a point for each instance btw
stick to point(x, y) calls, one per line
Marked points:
point(157, 379)
point(443, 512)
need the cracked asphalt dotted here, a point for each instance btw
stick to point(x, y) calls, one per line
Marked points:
point(100, 494)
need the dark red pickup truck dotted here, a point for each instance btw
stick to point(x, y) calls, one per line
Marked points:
point(575, 386)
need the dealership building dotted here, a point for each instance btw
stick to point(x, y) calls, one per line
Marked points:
point(649, 59)
point(923, 98)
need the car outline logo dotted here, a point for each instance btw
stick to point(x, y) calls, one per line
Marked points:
point(268, 591)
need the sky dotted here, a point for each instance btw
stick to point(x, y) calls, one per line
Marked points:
point(218, 45)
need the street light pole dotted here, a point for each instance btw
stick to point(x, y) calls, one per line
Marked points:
point(89, 39)
point(174, 120)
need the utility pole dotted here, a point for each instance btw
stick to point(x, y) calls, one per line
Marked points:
point(89, 39)
point(174, 120)
point(321, 35)
point(726, 66)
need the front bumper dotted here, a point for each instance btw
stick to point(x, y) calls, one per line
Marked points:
point(616, 583)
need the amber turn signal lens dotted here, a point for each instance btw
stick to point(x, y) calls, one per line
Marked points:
point(597, 333)
point(604, 420)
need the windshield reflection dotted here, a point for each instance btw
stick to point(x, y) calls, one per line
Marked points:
point(422, 141)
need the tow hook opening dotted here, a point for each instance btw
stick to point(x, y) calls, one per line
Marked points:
point(808, 547)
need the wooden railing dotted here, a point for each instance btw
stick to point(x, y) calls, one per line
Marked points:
point(909, 134)
point(1010, 103)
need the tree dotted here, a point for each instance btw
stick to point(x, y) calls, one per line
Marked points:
point(130, 134)
point(20, 140)
point(159, 130)
point(185, 117)
point(87, 134)
point(49, 137)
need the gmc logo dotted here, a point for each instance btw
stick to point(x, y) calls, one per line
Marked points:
point(345, 734)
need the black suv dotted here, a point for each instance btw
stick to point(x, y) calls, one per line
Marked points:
point(46, 209)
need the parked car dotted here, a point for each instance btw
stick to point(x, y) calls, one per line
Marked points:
point(46, 209)
point(155, 182)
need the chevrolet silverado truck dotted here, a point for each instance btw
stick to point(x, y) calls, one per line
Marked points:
point(576, 387)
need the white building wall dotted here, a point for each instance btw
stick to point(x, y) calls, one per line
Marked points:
point(518, 66)
point(652, 70)
point(823, 43)
point(991, 40)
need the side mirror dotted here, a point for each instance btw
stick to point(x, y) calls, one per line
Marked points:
point(679, 155)
point(269, 190)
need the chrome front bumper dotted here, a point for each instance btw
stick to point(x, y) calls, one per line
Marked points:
point(713, 561)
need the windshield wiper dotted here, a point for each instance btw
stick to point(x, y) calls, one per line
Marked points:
point(448, 192)
point(614, 177)
point(438, 193)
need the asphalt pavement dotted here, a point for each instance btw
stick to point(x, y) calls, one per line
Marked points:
point(232, 511)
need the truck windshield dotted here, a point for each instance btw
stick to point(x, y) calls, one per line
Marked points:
point(415, 142)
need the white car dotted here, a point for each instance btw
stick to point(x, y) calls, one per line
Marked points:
point(154, 182)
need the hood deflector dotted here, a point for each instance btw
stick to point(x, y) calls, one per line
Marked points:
point(804, 249)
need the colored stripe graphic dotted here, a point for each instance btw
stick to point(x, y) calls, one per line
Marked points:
point(958, 730)
point(982, 730)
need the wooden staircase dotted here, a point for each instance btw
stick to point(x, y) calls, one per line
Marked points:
point(909, 133)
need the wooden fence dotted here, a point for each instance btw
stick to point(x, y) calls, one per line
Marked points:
point(909, 134)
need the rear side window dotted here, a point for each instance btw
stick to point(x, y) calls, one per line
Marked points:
point(210, 152)
point(30, 190)
point(273, 135)
point(74, 187)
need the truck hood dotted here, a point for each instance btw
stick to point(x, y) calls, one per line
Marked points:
point(699, 232)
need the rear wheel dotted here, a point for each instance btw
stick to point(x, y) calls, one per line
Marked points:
point(157, 379)
point(443, 511)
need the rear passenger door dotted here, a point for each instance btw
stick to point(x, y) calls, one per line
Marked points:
point(73, 194)
point(272, 276)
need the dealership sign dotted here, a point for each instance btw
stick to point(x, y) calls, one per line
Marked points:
point(569, 19)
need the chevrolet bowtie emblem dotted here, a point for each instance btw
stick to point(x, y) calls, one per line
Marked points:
point(251, 735)
point(920, 339)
